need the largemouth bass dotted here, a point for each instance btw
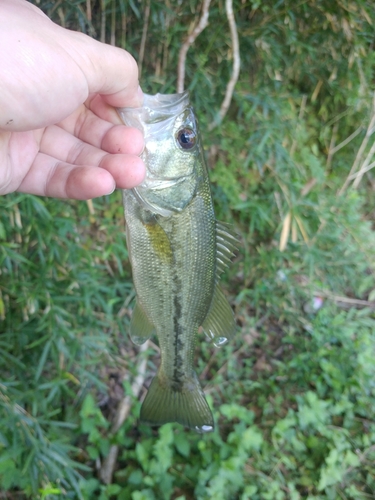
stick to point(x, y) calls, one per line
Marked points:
point(177, 250)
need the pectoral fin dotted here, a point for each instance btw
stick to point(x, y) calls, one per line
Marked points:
point(219, 324)
point(141, 328)
point(226, 245)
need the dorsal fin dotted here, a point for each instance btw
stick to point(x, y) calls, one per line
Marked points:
point(226, 246)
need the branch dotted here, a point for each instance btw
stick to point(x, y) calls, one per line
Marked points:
point(88, 10)
point(236, 64)
point(300, 116)
point(346, 141)
point(365, 166)
point(363, 170)
point(358, 158)
point(144, 37)
point(202, 23)
point(332, 144)
point(102, 21)
point(113, 23)
point(123, 410)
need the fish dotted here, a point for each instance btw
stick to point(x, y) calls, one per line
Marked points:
point(177, 252)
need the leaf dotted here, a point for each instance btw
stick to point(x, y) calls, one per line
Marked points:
point(351, 459)
point(113, 489)
point(333, 473)
point(302, 229)
point(89, 407)
point(252, 439)
point(93, 452)
point(43, 359)
point(2, 231)
point(285, 232)
point(182, 445)
point(2, 309)
point(294, 231)
point(136, 477)
point(142, 456)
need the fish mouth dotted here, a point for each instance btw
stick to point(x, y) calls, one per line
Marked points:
point(167, 103)
point(156, 108)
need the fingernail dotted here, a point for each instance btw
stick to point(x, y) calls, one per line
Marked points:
point(112, 189)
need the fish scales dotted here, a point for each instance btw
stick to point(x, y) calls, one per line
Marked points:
point(174, 246)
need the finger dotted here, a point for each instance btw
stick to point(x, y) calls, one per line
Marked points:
point(121, 139)
point(101, 108)
point(127, 170)
point(50, 177)
point(115, 139)
point(65, 147)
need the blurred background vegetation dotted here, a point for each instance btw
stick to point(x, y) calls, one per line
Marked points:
point(290, 165)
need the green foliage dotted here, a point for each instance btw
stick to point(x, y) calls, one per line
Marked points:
point(59, 288)
point(293, 395)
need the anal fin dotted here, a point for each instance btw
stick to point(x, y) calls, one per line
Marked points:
point(141, 328)
point(219, 324)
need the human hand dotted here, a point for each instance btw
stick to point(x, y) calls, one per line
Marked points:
point(60, 135)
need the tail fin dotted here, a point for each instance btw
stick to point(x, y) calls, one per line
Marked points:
point(187, 406)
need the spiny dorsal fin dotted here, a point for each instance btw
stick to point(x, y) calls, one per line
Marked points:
point(226, 245)
point(219, 325)
point(141, 328)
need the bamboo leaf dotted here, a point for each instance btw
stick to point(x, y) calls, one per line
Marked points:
point(302, 229)
point(285, 232)
point(42, 360)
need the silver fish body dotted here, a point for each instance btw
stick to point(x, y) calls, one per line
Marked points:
point(177, 250)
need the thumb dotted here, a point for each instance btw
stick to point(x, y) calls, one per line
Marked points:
point(109, 71)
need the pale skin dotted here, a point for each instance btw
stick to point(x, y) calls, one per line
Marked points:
point(60, 135)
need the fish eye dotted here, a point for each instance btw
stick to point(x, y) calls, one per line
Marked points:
point(186, 138)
